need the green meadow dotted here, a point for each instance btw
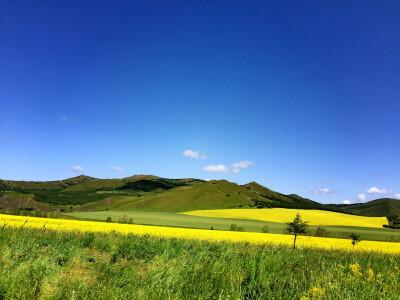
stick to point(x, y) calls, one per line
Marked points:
point(44, 264)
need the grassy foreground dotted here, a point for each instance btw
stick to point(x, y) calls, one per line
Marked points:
point(49, 264)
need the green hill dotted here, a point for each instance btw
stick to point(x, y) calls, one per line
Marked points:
point(152, 193)
point(207, 195)
point(266, 193)
point(15, 200)
point(136, 183)
point(276, 199)
point(377, 208)
point(9, 185)
point(94, 185)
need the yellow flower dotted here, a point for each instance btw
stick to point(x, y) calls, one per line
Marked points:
point(313, 293)
point(198, 234)
point(356, 269)
point(370, 274)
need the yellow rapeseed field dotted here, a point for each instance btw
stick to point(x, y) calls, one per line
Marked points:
point(200, 234)
point(283, 215)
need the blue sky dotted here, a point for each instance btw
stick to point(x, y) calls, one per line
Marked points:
point(300, 96)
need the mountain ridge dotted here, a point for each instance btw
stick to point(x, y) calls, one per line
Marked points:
point(153, 193)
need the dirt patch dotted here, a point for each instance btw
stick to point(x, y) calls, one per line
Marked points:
point(11, 202)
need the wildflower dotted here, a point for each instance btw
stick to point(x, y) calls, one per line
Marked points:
point(198, 234)
point(313, 293)
point(370, 274)
point(356, 269)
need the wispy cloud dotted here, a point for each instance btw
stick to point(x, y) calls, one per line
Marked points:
point(397, 195)
point(216, 169)
point(119, 169)
point(346, 202)
point(323, 191)
point(375, 190)
point(77, 169)
point(63, 118)
point(241, 165)
point(228, 169)
point(362, 197)
point(193, 154)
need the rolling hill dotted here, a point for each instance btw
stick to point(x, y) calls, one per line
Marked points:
point(377, 208)
point(9, 185)
point(15, 200)
point(152, 193)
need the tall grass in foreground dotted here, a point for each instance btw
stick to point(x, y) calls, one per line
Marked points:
point(45, 264)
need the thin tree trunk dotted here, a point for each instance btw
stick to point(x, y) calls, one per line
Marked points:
point(294, 243)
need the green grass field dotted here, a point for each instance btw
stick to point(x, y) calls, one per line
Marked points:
point(39, 264)
point(180, 220)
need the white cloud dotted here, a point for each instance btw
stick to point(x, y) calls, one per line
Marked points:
point(323, 191)
point(63, 118)
point(77, 169)
point(235, 168)
point(216, 168)
point(207, 179)
point(397, 195)
point(361, 197)
point(346, 202)
point(241, 165)
point(375, 190)
point(117, 169)
point(193, 154)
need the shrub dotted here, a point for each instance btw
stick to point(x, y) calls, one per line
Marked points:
point(344, 235)
point(321, 232)
point(265, 229)
point(109, 220)
point(233, 227)
point(123, 220)
point(355, 238)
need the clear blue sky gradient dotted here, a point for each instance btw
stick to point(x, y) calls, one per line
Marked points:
point(307, 90)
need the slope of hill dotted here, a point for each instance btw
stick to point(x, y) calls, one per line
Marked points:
point(152, 193)
point(9, 185)
point(284, 201)
point(275, 196)
point(208, 195)
point(84, 189)
point(12, 201)
point(136, 183)
point(377, 208)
